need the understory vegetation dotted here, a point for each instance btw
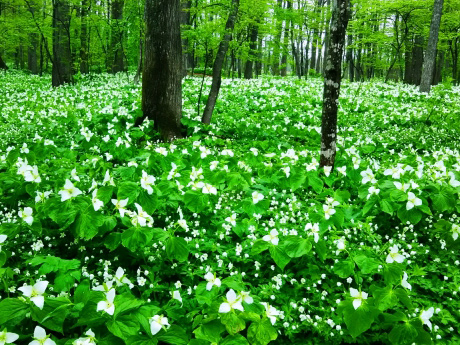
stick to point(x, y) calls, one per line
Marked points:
point(233, 235)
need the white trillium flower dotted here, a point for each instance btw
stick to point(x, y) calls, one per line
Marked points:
point(40, 337)
point(233, 302)
point(358, 297)
point(26, 215)
point(142, 217)
point(394, 255)
point(342, 170)
point(120, 205)
point(455, 231)
point(256, 197)
point(412, 201)
point(314, 231)
point(69, 191)
point(120, 277)
point(212, 280)
point(231, 219)
point(32, 175)
point(404, 282)
point(35, 292)
point(272, 237)
point(209, 189)
point(270, 312)
point(7, 337)
point(89, 340)
point(157, 322)
point(328, 211)
point(147, 181)
point(425, 317)
point(97, 204)
point(244, 295)
point(2, 239)
point(327, 171)
point(74, 175)
point(287, 171)
point(402, 187)
point(107, 305)
point(176, 295)
point(183, 224)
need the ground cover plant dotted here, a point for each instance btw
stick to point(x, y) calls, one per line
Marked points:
point(233, 235)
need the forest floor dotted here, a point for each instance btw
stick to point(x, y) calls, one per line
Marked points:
point(233, 235)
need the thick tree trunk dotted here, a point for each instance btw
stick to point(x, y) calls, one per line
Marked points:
point(140, 62)
point(437, 77)
point(332, 81)
point(116, 42)
point(62, 57)
point(430, 58)
point(3, 64)
point(218, 63)
point(162, 77)
point(248, 68)
point(84, 66)
point(32, 53)
point(453, 47)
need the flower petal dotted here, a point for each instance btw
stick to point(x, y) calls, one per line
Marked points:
point(39, 333)
point(224, 308)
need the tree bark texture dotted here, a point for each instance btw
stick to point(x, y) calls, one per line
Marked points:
point(162, 76)
point(430, 57)
point(32, 64)
point(218, 63)
point(62, 57)
point(332, 81)
point(84, 66)
point(3, 64)
point(248, 68)
point(116, 42)
point(186, 21)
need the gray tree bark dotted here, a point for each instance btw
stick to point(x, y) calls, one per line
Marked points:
point(430, 57)
point(253, 34)
point(62, 57)
point(116, 41)
point(332, 81)
point(84, 67)
point(162, 77)
point(218, 63)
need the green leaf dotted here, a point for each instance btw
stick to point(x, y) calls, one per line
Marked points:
point(232, 322)
point(195, 201)
point(88, 223)
point(125, 302)
point(128, 190)
point(398, 195)
point(316, 183)
point(123, 327)
point(403, 334)
point(296, 179)
point(386, 206)
point(174, 335)
point(105, 194)
point(12, 309)
point(234, 282)
point(344, 268)
point(321, 249)
point(136, 238)
point(112, 241)
point(404, 298)
point(236, 339)
point(177, 248)
point(296, 246)
point(81, 294)
point(392, 274)
point(141, 340)
point(262, 332)
point(360, 320)
point(210, 331)
point(366, 265)
point(2, 258)
point(148, 202)
point(443, 201)
point(279, 256)
point(259, 246)
point(53, 314)
point(385, 298)
point(369, 204)
point(413, 216)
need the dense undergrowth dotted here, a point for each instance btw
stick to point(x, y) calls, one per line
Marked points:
point(233, 235)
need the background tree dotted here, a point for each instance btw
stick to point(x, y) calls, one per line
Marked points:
point(162, 77)
point(332, 81)
point(62, 57)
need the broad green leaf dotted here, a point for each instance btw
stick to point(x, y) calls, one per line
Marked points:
point(148, 202)
point(195, 201)
point(12, 309)
point(360, 320)
point(385, 298)
point(135, 238)
point(262, 332)
point(112, 241)
point(259, 246)
point(125, 302)
point(386, 206)
point(123, 326)
point(87, 223)
point(53, 314)
point(210, 331)
point(177, 248)
point(279, 256)
point(366, 265)
point(316, 183)
point(236, 339)
point(403, 334)
point(128, 190)
point(344, 268)
point(174, 335)
point(296, 246)
point(443, 201)
point(232, 322)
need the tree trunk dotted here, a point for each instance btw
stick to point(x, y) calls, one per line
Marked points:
point(32, 53)
point(349, 54)
point(218, 62)
point(284, 57)
point(332, 81)
point(437, 76)
point(162, 77)
point(277, 41)
point(430, 58)
point(116, 42)
point(248, 68)
point(326, 40)
point(62, 57)
point(185, 20)
point(84, 67)
point(453, 47)
point(3, 64)
point(140, 62)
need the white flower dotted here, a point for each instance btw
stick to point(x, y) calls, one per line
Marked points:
point(358, 297)
point(120, 277)
point(328, 211)
point(26, 215)
point(213, 165)
point(176, 295)
point(372, 190)
point(233, 302)
point(287, 171)
point(183, 224)
point(147, 181)
point(412, 201)
point(327, 171)
point(120, 205)
point(402, 187)
point(107, 305)
point(256, 197)
point(404, 282)
point(2, 239)
point(212, 280)
point(394, 255)
point(74, 175)
point(455, 231)
point(141, 217)
point(270, 312)
point(157, 322)
point(231, 219)
point(35, 292)
point(368, 176)
point(32, 175)
point(41, 338)
point(7, 337)
point(342, 170)
point(314, 231)
point(395, 172)
point(425, 317)
point(69, 191)
point(209, 189)
point(246, 298)
point(89, 340)
point(272, 237)
point(97, 204)
point(341, 244)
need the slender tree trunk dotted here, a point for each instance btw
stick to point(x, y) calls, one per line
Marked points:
point(32, 53)
point(430, 58)
point(84, 67)
point(186, 21)
point(277, 41)
point(437, 77)
point(62, 57)
point(326, 40)
point(140, 62)
point(248, 68)
point(453, 47)
point(3, 64)
point(116, 42)
point(332, 81)
point(162, 77)
point(218, 62)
